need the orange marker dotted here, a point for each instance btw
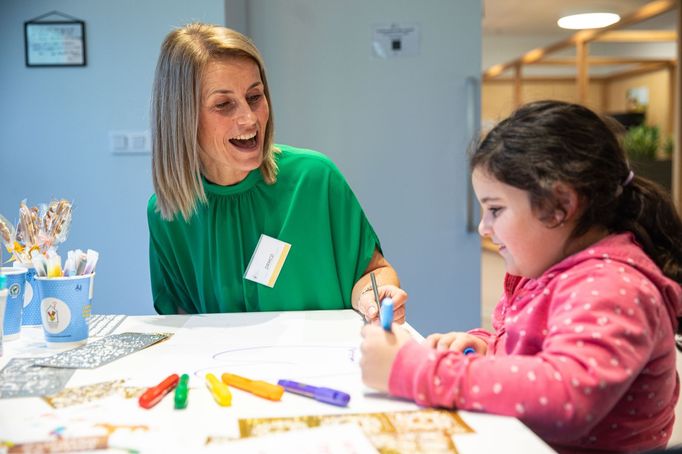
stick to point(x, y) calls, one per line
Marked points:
point(153, 395)
point(257, 387)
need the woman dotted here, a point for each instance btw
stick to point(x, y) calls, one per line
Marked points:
point(238, 224)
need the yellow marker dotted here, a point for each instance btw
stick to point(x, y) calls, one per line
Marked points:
point(257, 387)
point(221, 393)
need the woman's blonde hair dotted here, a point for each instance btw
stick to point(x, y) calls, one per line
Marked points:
point(176, 100)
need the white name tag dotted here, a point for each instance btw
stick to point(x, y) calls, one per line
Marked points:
point(267, 260)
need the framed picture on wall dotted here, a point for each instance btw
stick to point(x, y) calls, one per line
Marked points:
point(55, 43)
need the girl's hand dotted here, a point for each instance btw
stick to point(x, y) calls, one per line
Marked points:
point(369, 308)
point(456, 341)
point(379, 349)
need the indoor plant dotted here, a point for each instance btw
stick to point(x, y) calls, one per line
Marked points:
point(642, 142)
point(642, 145)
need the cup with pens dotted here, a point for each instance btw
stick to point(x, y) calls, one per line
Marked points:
point(65, 296)
point(38, 229)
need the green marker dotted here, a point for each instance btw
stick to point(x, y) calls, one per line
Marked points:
point(181, 392)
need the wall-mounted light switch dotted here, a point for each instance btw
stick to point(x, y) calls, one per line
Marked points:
point(130, 142)
point(118, 142)
point(139, 142)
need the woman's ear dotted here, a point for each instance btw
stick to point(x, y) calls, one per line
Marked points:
point(568, 203)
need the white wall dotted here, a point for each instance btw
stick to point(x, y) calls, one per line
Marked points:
point(54, 125)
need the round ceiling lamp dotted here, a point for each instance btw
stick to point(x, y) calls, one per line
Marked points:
point(588, 20)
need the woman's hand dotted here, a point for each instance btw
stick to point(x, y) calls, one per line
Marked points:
point(456, 341)
point(388, 285)
point(379, 349)
point(369, 308)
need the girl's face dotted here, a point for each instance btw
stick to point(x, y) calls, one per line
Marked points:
point(528, 246)
point(232, 119)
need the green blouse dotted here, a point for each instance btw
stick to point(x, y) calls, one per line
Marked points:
point(198, 266)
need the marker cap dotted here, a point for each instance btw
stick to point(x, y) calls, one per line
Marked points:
point(387, 313)
point(332, 396)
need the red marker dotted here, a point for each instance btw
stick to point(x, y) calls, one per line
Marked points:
point(153, 395)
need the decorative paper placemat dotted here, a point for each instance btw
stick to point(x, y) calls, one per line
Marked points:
point(89, 393)
point(22, 378)
point(102, 351)
point(418, 431)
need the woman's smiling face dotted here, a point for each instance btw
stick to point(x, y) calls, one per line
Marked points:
point(233, 116)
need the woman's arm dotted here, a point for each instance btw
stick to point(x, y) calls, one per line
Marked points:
point(388, 285)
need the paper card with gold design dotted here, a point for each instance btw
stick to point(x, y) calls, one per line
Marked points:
point(89, 393)
point(343, 439)
point(419, 431)
point(429, 420)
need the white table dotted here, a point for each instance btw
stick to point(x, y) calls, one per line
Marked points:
point(316, 347)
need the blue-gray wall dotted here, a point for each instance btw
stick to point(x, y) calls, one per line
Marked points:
point(54, 125)
point(398, 128)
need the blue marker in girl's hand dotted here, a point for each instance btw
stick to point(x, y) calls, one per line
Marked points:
point(386, 313)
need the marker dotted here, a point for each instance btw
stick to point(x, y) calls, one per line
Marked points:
point(326, 395)
point(469, 351)
point(181, 392)
point(153, 395)
point(221, 393)
point(387, 313)
point(257, 387)
point(375, 287)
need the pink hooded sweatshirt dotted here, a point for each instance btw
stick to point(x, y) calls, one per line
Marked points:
point(584, 355)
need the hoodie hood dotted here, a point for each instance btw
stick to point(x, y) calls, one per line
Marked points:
point(623, 248)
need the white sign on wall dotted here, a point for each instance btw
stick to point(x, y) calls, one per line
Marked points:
point(395, 40)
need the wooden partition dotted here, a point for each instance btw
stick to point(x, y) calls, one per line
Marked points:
point(584, 86)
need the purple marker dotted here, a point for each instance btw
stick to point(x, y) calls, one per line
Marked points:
point(326, 395)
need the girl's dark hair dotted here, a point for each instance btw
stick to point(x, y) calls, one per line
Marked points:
point(547, 142)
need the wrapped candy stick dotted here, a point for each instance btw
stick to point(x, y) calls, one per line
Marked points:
point(56, 221)
point(54, 264)
point(38, 229)
point(7, 236)
point(28, 228)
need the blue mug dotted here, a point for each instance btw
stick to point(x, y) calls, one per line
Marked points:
point(16, 278)
point(31, 312)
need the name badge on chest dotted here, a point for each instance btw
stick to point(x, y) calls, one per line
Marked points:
point(267, 260)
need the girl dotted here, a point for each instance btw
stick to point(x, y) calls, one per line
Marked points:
point(583, 348)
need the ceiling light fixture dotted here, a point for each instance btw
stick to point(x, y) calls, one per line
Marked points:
point(588, 20)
